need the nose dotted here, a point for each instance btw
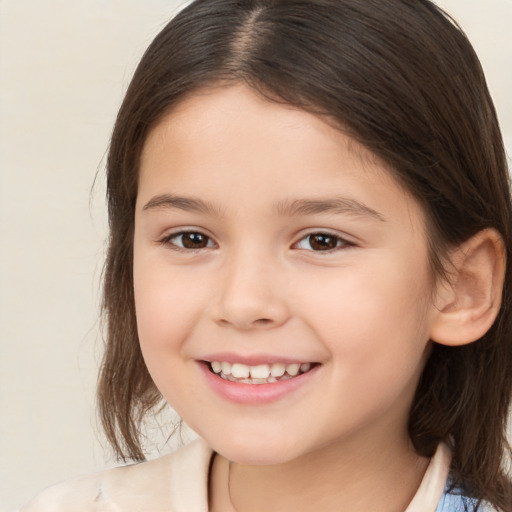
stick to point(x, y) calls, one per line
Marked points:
point(252, 293)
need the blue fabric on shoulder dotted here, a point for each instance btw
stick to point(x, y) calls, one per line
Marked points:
point(453, 503)
point(456, 502)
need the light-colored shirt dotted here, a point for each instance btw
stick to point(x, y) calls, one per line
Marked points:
point(179, 483)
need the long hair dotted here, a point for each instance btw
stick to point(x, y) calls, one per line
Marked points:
point(401, 78)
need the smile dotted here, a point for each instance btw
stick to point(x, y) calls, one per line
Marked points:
point(260, 374)
point(256, 382)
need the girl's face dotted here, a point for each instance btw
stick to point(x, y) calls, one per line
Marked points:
point(266, 241)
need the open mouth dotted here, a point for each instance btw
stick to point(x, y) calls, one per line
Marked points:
point(260, 374)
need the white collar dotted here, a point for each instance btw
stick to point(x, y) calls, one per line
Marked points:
point(189, 479)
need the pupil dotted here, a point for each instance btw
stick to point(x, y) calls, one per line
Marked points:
point(194, 240)
point(322, 242)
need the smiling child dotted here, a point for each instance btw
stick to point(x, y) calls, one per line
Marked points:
point(310, 221)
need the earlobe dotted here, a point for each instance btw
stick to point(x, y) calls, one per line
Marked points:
point(468, 304)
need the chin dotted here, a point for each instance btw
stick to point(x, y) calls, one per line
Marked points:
point(258, 450)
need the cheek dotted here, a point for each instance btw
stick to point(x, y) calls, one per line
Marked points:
point(166, 312)
point(374, 318)
point(378, 340)
point(165, 304)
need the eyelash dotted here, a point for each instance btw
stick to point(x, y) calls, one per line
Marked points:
point(341, 243)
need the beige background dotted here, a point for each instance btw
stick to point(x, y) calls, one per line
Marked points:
point(63, 68)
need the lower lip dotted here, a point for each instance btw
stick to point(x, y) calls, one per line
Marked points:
point(255, 393)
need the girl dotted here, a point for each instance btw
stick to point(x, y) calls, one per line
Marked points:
point(310, 221)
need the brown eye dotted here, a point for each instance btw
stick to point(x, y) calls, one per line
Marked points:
point(322, 242)
point(190, 240)
point(194, 241)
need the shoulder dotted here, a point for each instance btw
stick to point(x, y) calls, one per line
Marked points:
point(75, 495)
point(154, 485)
point(454, 501)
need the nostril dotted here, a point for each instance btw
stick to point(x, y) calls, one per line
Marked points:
point(259, 322)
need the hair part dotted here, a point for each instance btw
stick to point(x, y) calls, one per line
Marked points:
point(401, 79)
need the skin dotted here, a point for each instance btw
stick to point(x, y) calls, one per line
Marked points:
point(260, 285)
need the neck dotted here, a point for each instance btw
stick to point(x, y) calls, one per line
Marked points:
point(371, 476)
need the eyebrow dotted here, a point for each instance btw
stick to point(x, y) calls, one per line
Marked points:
point(188, 204)
point(336, 205)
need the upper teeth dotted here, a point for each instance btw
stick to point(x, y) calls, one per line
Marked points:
point(261, 371)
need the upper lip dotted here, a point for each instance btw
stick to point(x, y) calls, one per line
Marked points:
point(253, 359)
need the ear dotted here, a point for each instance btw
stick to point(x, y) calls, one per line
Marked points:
point(469, 301)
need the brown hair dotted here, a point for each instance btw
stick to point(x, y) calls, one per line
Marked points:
point(402, 79)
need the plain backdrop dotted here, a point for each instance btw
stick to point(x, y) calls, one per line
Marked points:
point(64, 65)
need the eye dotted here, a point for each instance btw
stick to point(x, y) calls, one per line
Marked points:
point(189, 240)
point(322, 242)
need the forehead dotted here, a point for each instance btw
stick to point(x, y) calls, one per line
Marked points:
point(230, 142)
point(235, 109)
